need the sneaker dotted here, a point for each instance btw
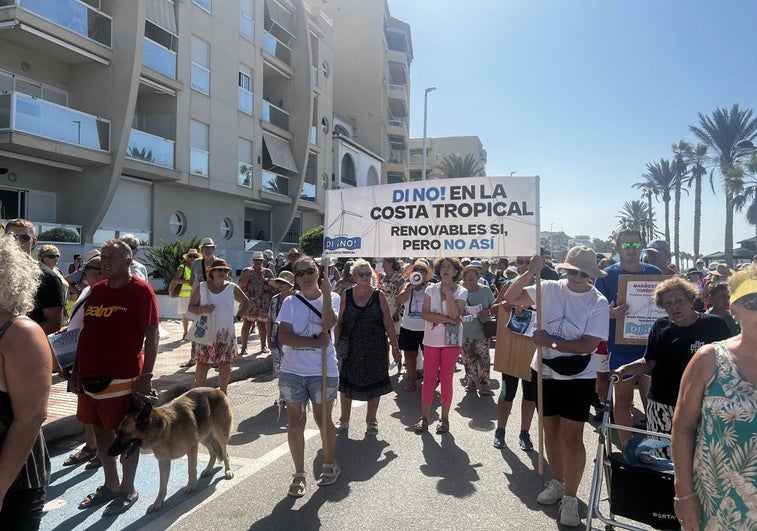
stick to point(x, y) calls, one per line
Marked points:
point(552, 494)
point(499, 438)
point(569, 512)
point(342, 426)
point(524, 440)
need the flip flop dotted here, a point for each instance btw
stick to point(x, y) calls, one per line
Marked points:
point(100, 496)
point(93, 463)
point(84, 454)
point(297, 488)
point(187, 364)
point(121, 503)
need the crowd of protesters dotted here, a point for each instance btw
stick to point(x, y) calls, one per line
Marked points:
point(424, 317)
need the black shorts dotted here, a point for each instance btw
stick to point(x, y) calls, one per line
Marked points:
point(410, 339)
point(510, 385)
point(569, 399)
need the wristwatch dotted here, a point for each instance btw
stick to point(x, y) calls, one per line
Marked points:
point(554, 345)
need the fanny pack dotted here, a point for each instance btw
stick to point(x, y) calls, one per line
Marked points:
point(101, 387)
point(568, 365)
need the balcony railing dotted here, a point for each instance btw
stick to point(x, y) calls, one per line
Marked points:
point(244, 100)
point(275, 115)
point(159, 58)
point(73, 15)
point(397, 88)
point(313, 134)
point(308, 192)
point(315, 76)
point(244, 174)
point(19, 112)
point(198, 161)
point(150, 148)
point(275, 183)
point(277, 48)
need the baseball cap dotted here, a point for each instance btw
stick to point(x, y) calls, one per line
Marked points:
point(658, 246)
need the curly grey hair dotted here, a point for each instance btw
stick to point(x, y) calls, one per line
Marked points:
point(20, 277)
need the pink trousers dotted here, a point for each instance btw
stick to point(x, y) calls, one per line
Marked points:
point(441, 361)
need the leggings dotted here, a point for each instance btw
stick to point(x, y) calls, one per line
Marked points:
point(442, 361)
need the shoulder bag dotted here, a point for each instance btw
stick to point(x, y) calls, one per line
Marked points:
point(203, 328)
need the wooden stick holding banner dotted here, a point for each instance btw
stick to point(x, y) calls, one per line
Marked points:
point(539, 384)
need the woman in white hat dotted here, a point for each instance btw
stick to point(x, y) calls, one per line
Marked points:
point(575, 318)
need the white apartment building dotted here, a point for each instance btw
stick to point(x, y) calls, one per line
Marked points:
point(440, 147)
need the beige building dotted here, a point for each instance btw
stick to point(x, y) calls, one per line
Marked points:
point(439, 148)
point(372, 56)
point(166, 119)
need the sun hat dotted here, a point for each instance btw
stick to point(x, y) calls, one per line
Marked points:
point(268, 253)
point(92, 253)
point(476, 263)
point(722, 271)
point(658, 246)
point(218, 263)
point(471, 267)
point(512, 269)
point(257, 255)
point(190, 253)
point(418, 263)
point(294, 252)
point(694, 271)
point(582, 258)
point(284, 276)
point(207, 242)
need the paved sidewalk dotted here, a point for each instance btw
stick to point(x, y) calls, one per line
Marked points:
point(168, 378)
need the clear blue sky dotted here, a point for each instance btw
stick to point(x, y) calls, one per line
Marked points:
point(584, 93)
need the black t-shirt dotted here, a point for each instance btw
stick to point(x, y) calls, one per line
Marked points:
point(672, 347)
point(547, 273)
point(49, 295)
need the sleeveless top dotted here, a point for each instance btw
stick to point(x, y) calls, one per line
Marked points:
point(35, 473)
point(726, 445)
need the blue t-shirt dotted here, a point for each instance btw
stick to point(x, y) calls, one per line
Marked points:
point(608, 286)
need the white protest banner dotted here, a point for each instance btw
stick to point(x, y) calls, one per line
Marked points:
point(475, 216)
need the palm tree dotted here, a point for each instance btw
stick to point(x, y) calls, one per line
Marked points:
point(634, 216)
point(680, 169)
point(748, 197)
point(661, 178)
point(456, 166)
point(721, 131)
point(648, 190)
point(696, 157)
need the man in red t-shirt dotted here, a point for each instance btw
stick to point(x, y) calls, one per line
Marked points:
point(120, 316)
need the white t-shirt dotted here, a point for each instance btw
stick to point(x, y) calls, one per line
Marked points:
point(566, 314)
point(411, 319)
point(434, 334)
point(306, 361)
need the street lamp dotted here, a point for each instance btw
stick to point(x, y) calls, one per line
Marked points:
point(425, 117)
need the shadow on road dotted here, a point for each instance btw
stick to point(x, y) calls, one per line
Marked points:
point(447, 461)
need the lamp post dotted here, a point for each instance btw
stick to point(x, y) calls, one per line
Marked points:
point(425, 118)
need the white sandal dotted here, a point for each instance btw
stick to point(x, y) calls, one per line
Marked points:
point(297, 488)
point(329, 478)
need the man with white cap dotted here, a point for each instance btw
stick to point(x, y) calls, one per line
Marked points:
point(208, 251)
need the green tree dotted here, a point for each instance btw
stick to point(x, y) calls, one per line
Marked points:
point(166, 259)
point(454, 165)
point(721, 131)
point(660, 178)
point(697, 158)
point(311, 243)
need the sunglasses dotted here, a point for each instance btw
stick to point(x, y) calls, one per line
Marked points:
point(19, 237)
point(523, 262)
point(363, 274)
point(749, 301)
point(303, 272)
point(630, 245)
point(87, 268)
point(573, 272)
point(420, 270)
point(51, 256)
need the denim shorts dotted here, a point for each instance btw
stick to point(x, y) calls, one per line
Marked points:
point(296, 388)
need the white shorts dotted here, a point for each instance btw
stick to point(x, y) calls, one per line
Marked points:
point(183, 305)
point(601, 362)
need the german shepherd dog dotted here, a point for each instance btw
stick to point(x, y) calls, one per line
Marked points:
point(201, 415)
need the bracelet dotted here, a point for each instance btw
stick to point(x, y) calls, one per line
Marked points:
point(681, 498)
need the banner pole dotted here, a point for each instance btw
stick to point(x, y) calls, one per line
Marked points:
point(539, 384)
point(325, 261)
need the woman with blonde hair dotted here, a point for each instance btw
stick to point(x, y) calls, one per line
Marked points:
point(715, 422)
point(25, 367)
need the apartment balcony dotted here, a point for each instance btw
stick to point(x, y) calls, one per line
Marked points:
point(396, 92)
point(151, 149)
point(159, 58)
point(276, 48)
point(275, 183)
point(71, 135)
point(275, 115)
point(395, 163)
point(397, 56)
point(396, 127)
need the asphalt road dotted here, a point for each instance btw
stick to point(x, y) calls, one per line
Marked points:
point(397, 480)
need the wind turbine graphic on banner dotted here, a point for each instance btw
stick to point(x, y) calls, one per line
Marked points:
point(373, 232)
point(342, 240)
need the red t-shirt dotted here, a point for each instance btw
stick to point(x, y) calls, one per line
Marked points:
point(115, 321)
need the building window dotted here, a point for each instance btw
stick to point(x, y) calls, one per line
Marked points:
point(247, 19)
point(200, 65)
point(205, 4)
point(294, 232)
point(178, 223)
point(245, 89)
point(325, 125)
point(348, 171)
point(309, 188)
point(227, 229)
point(199, 151)
point(244, 174)
point(326, 69)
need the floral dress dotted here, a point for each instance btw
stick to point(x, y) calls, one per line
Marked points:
point(260, 293)
point(725, 455)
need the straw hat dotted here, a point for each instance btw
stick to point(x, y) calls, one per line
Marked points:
point(419, 263)
point(722, 271)
point(217, 264)
point(207, 242)
point(582, 258)
point(191, 253)
point(257, 255)
point(284, 276)
point(92, 253)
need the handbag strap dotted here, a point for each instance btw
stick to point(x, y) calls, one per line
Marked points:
point(307, 303)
